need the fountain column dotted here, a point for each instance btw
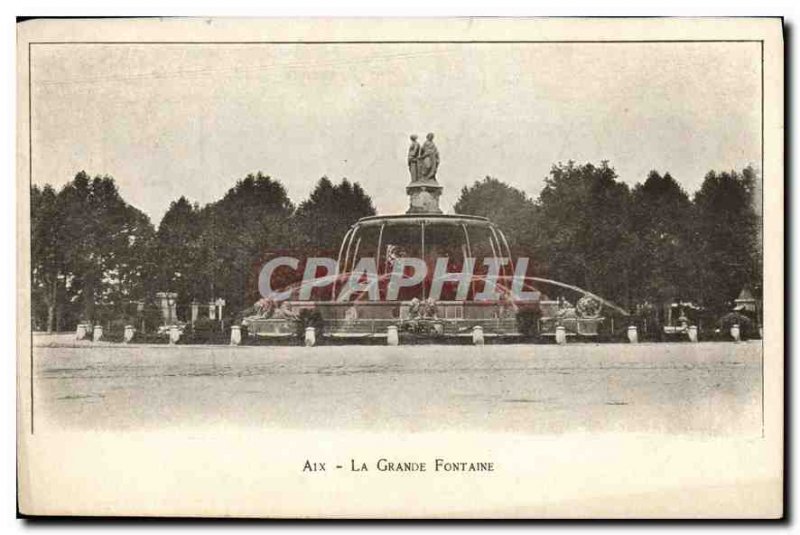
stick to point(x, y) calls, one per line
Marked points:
point(424, 197)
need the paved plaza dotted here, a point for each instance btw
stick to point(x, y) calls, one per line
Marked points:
point(703, 389)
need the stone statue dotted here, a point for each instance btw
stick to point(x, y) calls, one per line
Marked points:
point(423, 191)
point(428, 160)
point(414, 309)
point(284, 312)
point(264, 308)
point(428, 309)
point(413, 158)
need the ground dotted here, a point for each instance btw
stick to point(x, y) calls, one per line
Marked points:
point(703, 389)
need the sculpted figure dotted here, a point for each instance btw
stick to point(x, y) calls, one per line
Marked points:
point(351, 313)
point(429, 309)
point(264, 308)
point(429, 159)
point(414, 309)
point(284, 312)
point(413, 158)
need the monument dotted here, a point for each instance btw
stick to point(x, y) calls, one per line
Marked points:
point(423, 190)
point(423, 232)
point(403, 273)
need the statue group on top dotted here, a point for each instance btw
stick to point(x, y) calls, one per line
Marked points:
point(423, 160)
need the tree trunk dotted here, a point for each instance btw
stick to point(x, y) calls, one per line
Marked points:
point(51, 306)
point(51, 317)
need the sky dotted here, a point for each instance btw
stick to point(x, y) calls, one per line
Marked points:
point(172, 120)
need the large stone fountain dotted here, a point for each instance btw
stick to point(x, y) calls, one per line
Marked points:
point(379, 251)
point(423, 232)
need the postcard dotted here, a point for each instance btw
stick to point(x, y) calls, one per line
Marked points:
point(401, 268)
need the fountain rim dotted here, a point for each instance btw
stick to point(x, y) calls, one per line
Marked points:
point(453, 218)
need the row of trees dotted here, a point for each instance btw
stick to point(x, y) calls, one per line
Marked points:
point(94, 257)
point(88, 247)
point(649, 244)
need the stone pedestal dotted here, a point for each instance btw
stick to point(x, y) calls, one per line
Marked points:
point(236, 335)
point(311, 336)
point(477, 335)
point(174, 334)
point(561, 335)
point(736, 333)
point(692, 333)
point(80, 331)
point(127, 336)
point(424, 197)
point(97, 334)
point(633, 335)
point(392, 338)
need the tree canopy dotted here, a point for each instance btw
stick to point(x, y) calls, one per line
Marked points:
point(651, 244)
point(330, 210)
point(89, 248)
point(94, 256)
point(726, 232)
point(584, 229)
point(179, 251)
point(510, 208)
point(252, 221)
point(661, 220)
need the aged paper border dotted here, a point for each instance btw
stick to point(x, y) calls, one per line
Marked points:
point(255, 472)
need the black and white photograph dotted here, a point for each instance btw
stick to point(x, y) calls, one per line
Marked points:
point(450, 268)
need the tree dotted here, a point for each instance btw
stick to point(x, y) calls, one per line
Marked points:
point(105, 236)
point(323, 219)
point(585, 229)
point(89, 248)
point(251, 222)
point(661, 220)
point(178, 251)
point(726, 231)
point(510, 208)
point(46, 256)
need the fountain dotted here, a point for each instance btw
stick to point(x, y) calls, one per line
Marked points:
point(430, 274)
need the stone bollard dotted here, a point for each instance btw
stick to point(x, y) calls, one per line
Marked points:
point(174, 334)
point(80, 331)
point(392, 338)
point(127, 336)
point(311, 336)
point(633, 334)
point(236, 335)
point(692, 332)
point(97, 334)
point(477, 335)
point(561, 335)
point(736, 333)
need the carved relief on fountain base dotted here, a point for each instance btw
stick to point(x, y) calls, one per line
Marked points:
point(424, 199)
